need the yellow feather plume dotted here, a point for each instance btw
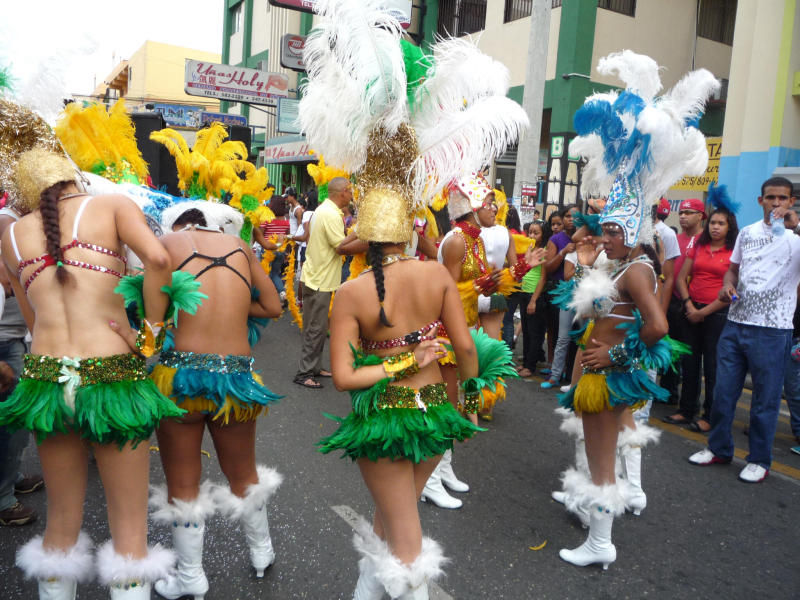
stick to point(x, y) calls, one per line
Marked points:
point(439, 201)
point(502, 207)
point(522, 243)
point(322, 173)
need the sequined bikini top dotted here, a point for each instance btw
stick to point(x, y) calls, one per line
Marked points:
point(47, 260)
point(406, 340)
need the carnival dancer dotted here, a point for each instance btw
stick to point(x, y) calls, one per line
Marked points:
point(404, 124)
point(81, 388)
point(643, 145)
point(209, 374)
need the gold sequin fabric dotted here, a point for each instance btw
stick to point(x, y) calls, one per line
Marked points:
point(37, 170)
point(400, 396)
point(103, 369)
point(471, 267)
point(20, 130)
point(385, 200)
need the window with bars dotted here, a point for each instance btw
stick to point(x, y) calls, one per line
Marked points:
point(625, 7)
point(460, 17)
point(517, 9)
point(556, 4)
point(716, 20)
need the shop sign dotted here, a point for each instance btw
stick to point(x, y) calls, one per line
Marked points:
point(289, 148)
point(224, 118)
point(700, 184)
point(235, 84)
point(179, 115)
point(401, 9)
point(288, 113)
point(292, 52)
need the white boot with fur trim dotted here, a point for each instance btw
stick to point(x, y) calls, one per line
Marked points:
point(434, 491)
point(604, 503)
point(400, 581)
point(187, 520)
point(572, 425)
point(368, 545)
point(630, 444)
point(131, 578)
point(252, 512)
point(58, 571)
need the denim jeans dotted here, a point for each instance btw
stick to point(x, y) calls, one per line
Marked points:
point(12, 444)
point(275, 271)
point(743, 347)
point(515, 301)
point(565, 319)
point(791, 389)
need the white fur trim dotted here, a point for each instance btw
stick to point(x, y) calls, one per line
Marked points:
point(195, 511)
point(581, 492)
point(76, 563)
point(572, 425)
point(256, 495)
point(641, 436)
point(595, 285)
point(116, 568)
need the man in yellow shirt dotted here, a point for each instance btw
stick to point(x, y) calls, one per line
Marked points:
point(322, 274)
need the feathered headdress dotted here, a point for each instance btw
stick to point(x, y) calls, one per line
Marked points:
point(405, 123)
point(636, 144)
point(102, 142)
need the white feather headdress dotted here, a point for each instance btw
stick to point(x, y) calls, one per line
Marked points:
point(637, 144)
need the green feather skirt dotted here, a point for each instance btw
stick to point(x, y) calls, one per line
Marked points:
point(394, 426)
point(119, 411)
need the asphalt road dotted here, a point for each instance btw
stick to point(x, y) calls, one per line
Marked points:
point(703, 535)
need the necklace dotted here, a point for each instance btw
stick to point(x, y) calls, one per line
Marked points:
point(391, 259)
point(68, 196)
point(624, 264)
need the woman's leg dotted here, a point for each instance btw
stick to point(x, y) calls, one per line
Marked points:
point(450, 378)
point(492, 323)
point(601, 431)
point(64, 459)
point(180, 442)
point(125, 474)
point(712, 331)
point(235, 444)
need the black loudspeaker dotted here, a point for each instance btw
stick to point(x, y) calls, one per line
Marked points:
point(239, 133)
point(163, 171)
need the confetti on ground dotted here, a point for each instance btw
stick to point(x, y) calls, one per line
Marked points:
point(539, 547)
point(154, 449)
point(206, 452)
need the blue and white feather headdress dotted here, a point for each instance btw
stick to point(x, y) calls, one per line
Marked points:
point(638, 144)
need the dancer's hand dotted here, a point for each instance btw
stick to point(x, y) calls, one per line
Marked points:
point(597, 356)
point(126, 333)
point(535, 256)
point(430, 348)
point(6, 376)
point(588, 249)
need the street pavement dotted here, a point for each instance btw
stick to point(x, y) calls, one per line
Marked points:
point(703, 534)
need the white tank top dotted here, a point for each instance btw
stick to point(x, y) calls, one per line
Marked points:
point(495, 241)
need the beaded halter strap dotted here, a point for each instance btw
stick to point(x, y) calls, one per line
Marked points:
point(48, 261)
point(410, 338)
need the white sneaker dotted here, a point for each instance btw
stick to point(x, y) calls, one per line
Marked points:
point(753, 473)
point(707, 457)
point(565, 388)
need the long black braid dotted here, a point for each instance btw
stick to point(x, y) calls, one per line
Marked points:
point(375, 260)
point(48, 207)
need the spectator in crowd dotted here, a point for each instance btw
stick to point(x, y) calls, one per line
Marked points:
point(761, 284)
point(669, 252)
point(274, 233)
point(534, 309)
point(553, 227)
point(294, 210)
point(698, 285)
point(322, 274)
point(559, 246)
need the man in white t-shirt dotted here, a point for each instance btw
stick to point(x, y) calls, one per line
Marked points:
point(761, 285)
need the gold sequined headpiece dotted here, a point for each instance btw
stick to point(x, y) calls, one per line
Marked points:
point(385, 202)
point(37, 170)
point(20, 130)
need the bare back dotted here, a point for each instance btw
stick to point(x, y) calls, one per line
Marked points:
point(72, 319)
point(220, 325)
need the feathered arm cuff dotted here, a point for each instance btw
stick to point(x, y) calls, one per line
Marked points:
point(494, 365)
point(518, 270)
point(508, 283)
point(365, 401)
point(633, 352)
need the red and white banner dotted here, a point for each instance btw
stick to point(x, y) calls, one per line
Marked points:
point(237, 84)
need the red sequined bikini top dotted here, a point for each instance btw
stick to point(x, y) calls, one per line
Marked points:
point(48, 261)
point(406, 340)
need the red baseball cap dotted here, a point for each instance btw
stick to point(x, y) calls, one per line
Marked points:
point(694, 204)
point(663, 207)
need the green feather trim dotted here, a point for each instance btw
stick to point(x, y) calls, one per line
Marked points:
point(246, 231)
point(322, 193)
point(399, 433)
point(5, 79)
point(249, 203)
point(105, 413)
point(183, 294)
point(365, 401)
point(494, 363)
point(418, 64)
point(131, 288)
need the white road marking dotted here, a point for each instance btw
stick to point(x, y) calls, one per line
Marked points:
point(351, 517)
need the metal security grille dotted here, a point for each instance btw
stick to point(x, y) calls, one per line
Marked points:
point(517, 9)
point(556, 4)
point(460, 17)
point(716, 20)
point(625, 7)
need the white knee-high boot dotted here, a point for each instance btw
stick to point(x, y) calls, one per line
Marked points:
point(187, 520)
point(434, 491)
point(368, 545)
point(604, 503)
point(251, 511)
point(448, 476)
point(132, 578)
point(573, 425)
point(630, 444)
point(400, 581)
point(58, 571)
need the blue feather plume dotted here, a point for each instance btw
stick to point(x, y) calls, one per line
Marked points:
point(719, 197)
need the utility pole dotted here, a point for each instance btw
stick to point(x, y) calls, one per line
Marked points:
point(533, 97)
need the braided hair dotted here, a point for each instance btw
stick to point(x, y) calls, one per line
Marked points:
point(48, 206)
point(375, 260)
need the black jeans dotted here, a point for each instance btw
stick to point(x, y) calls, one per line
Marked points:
point(533, 330)
point(702, 337)
point(678, 325)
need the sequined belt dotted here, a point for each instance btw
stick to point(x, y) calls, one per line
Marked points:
point(400, 396)
point(215, 363)
point(84, 371)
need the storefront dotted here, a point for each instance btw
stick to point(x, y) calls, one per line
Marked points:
point(286, 158)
